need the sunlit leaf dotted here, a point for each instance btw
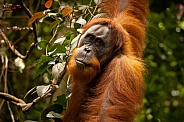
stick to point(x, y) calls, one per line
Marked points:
point(181, 25)
point(57, 69)
point(60, 49)
point(49, 53)
point(81, 21)
point(74, 42)
point(52, 114)
point(97, 1)
point(42, 89)
point(48, 4)
point(60, 40)
point(35, 16)
point(66, 11)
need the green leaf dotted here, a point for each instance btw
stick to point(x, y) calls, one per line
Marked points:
point(67, 35)
point(61, 27)
point(42, 65)
point(77, 26)
point(61, 100)
point(41, 69)
point(54, 24)
point(60, 49)
point(42, 44)
point(42, 60)
point(57, 48)
point(56, 108)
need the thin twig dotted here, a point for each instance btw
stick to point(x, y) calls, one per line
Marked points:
point(11, 46)
point(33, 25)
point(38, 5)
point(26, 106)
point(50, 41)
point(11, 98)
point(25, 9)
point(1, 76)
point(22, 37)
point(5, 74)
point(94, 12)
point(11, 113)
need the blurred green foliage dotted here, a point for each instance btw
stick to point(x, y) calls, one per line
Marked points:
point(164, 57)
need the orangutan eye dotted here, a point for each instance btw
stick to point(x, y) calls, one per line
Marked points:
point(90, 37)
point(98, 42)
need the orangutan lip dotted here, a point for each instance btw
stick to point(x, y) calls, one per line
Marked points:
point(80, 62)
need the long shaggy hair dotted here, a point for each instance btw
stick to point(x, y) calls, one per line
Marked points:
point(112, 92)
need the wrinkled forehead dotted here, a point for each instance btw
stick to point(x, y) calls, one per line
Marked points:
point(100, 31)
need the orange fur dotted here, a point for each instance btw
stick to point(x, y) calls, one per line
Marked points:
point(84, 74)
point(118, 92)
point(112, 93)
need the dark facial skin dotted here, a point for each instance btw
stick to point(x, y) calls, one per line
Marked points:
point(96, 41)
